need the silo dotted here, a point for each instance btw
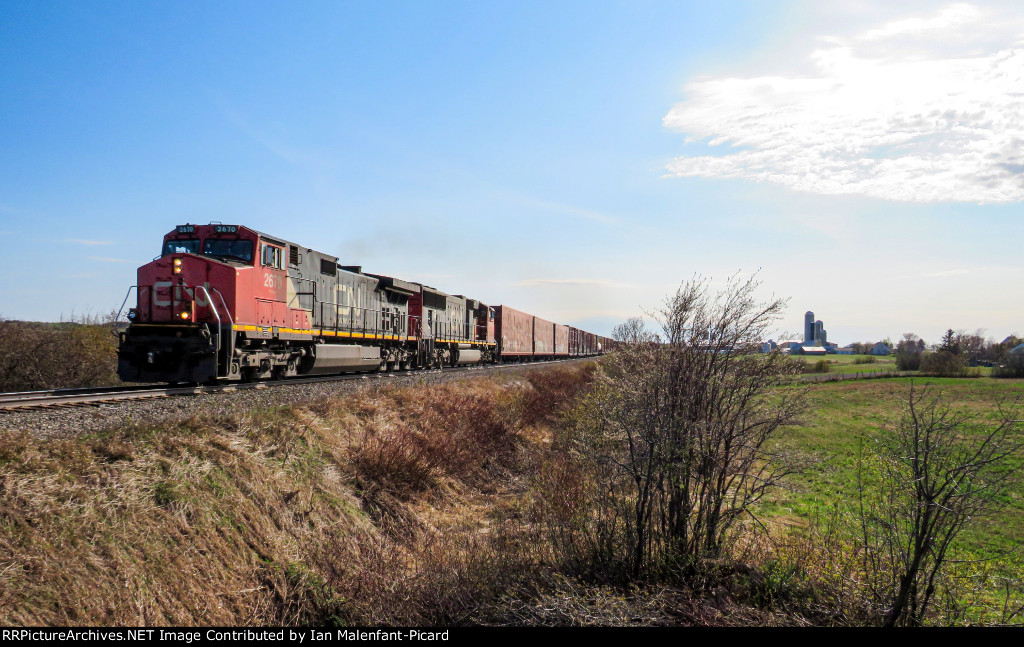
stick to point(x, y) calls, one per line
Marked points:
point(808, 326)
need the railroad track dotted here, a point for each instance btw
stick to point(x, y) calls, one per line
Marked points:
point(34, 400)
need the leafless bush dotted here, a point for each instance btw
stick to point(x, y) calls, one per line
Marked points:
point(77, 353)
point(677, 432)
point(936, 473)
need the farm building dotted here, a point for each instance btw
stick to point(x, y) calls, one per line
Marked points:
point(881, 348)
point(816, 351)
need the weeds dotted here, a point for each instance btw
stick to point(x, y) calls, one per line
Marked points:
point(77, 353)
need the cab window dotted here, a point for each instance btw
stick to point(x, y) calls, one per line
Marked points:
point(238, 249)
point(184, 246)
point(272, 257)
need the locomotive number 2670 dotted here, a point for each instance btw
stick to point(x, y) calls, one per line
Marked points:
point(270, 281)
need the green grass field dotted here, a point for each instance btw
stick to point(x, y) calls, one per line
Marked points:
point(845, 415)
point(848, 363)
point(867, 364)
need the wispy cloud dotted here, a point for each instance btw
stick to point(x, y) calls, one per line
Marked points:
point(945, 273)
point(920, 109)
point(572, 282)
point(429, 277)
point(564, 209)
point(953, 17)
point(278, 143)
point(108, 259)
point(81, 241)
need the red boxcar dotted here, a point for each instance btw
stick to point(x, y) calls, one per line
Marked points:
point(561, 340)
point(513, 330)
point(543, 337)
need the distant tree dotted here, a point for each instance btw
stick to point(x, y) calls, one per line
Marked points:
point(972, 345)
point(999, 351)
point(1010, 366)
point(908, 352)
point(950, 342)
point(943, 363)
point(908, 342)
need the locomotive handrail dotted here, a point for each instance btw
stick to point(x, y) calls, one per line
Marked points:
point(116, 332)
point(213, 307)
point(209, 300)
point(223, 302)
point(300, 294)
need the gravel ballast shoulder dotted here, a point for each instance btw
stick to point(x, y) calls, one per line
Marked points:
point(67, 422)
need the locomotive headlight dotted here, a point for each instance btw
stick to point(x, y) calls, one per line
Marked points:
point(184, 316)
point(177, 266)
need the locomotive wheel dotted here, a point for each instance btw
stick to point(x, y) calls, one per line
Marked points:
point(250, 373)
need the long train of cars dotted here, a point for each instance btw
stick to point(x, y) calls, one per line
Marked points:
point(226, 302)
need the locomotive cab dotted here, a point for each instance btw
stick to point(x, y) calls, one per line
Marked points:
point(180, 327)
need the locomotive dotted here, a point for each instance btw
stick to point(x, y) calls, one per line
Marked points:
point(226, 302)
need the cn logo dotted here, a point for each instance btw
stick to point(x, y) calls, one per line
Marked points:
point(164, 295)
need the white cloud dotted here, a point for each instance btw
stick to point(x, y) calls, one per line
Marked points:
point(108, 259)
point(572, 282)
point(945, 273)
point(891, 113)
point(954, 17)
point(81, 241)
point(563, 209)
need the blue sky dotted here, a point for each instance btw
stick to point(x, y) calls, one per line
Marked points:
point(575, 160)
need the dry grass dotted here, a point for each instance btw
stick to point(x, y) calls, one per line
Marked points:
point(393, 506)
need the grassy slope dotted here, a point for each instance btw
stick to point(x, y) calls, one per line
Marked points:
point(387, 507)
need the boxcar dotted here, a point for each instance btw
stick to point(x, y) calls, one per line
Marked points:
point(513, 330)
point(543, 337)
point(561, 340)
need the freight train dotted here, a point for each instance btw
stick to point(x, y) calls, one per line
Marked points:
point(226, 302)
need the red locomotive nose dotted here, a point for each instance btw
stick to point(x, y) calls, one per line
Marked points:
point(175, 290)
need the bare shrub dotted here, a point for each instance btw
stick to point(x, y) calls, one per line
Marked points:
point(77, 353)
point(677, 432)
point(936, 473)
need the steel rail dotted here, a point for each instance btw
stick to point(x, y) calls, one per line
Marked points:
point(21, 400)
